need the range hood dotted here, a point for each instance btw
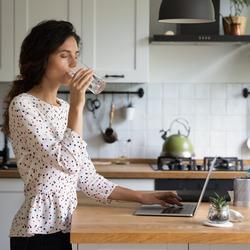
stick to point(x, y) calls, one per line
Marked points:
point(200, 38)
point(206, 32)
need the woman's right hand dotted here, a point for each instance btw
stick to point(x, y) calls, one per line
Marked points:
point(78, 86)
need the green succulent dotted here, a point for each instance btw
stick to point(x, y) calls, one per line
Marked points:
point(217, 201)
point(238, 6)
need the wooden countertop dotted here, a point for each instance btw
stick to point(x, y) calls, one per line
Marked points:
point(144, 171)
point(115, 223)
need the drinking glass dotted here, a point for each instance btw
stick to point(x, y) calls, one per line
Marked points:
point(97, 84)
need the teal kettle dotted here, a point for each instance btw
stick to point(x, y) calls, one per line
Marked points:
point(177, 145)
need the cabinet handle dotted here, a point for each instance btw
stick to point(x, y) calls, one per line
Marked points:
point(114, 76)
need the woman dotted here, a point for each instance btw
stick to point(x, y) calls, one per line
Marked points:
point(46, 135)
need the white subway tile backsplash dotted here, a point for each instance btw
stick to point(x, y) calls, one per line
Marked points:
point(202, 139)
point(170, 107)
point(154, 109)
point(137, 152)
point(155, 91)
point(218, 91)
point(186, 91)
point(200, 152)
point(218, 151)
point(109, 151)
point(186, 107)
point(138, 139)
point(234, 123)
point(171, 91)
point(234, 91)
point(202, 91)
point(153, 138)
point(201, 107)
point(218, 123)
point(218, 115)
point(155, 124)
point(218, 107)
point(202, 122)
point(236, 106)
point(218, 139)
point(235, 141)
point(153, 151)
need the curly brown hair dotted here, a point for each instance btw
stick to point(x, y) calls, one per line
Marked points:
point(39, 44)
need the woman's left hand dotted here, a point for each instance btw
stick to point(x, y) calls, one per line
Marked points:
point(160, 197)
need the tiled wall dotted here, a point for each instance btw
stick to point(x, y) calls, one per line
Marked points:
point(200, 83)
point(217, 113)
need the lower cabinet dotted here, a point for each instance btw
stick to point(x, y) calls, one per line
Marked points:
point(11, 197)
point(136, 184)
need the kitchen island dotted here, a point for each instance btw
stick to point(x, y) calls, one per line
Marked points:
point(116, 224)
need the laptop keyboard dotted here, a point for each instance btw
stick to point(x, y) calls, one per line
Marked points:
point(186, 208)
point(172, 209)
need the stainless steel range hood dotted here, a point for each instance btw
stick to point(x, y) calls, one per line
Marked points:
point(204, 33)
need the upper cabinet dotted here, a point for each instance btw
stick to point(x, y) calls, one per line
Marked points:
point(6, 40)
point(115, 39)
point(114, 33)
point(28, 13)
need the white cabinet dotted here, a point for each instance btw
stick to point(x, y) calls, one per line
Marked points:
point(114, 34)
point(136, 184)
point(133, 247)
point(28, 13)
point(115, 39)
point(6, 40)
point(11, 197)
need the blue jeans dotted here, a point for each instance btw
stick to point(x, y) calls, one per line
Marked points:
point(55, 241)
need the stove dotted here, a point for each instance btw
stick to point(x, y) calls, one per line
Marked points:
point(189, 189)
point(188, 164)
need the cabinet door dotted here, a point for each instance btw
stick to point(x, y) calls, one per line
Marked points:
point(6, 40)
point(115, 39)
point(11, 197)
point(28, 13)
point(136, 184)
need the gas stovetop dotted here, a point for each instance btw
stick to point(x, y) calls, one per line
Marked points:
point(190, 164)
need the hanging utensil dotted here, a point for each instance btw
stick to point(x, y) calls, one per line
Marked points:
point(110, 135)
point(92, 105)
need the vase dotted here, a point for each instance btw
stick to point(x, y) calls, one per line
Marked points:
point(218, 215)
point(234, 25)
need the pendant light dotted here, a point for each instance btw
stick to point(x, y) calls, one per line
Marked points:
point(186, 11)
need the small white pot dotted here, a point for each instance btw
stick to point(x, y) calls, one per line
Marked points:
point(129, 113)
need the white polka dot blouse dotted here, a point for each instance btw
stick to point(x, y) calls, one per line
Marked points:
point(53, 163)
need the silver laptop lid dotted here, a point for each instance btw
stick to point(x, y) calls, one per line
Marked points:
point(211, 167)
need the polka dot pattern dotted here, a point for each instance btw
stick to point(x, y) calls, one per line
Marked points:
point(53, 162)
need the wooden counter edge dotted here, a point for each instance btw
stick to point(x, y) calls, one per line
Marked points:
point(147, 173)
point(159, 238)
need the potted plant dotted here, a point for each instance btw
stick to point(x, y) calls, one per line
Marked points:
point(235, 24)
point(218, 210)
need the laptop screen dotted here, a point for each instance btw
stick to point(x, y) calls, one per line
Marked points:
point(206, 182)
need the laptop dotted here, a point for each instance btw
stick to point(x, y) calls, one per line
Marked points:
point(187, 210)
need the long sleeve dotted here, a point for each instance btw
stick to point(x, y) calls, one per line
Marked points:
point(37, 136)
point(93, 184)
